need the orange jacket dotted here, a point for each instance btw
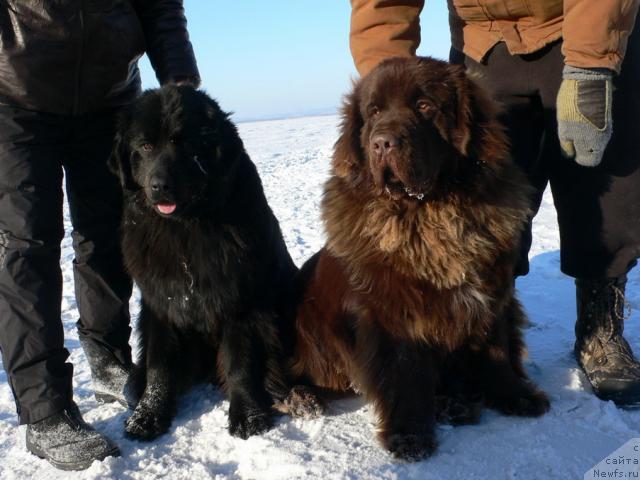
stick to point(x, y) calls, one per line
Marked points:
point(594, 32)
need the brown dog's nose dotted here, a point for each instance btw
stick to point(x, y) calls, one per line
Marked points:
point(384, 142)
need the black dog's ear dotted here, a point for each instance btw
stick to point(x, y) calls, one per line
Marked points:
point(214, 112)
point(224, 127)
point(347, 151)
point(119, 162)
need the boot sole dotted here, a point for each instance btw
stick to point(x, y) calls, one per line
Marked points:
point(621, 399)
point(71, 466)
point(622, 396)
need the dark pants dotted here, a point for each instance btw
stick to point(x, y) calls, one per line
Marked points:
point(598, 208)
point(34, 150)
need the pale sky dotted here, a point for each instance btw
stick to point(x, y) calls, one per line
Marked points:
point(266, 59)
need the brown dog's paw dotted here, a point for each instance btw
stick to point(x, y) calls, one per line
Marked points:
point(301, 402)
point(458, 410)
point(411, 447)
point(532, 404)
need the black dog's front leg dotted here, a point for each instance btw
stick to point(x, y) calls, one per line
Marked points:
point(245, 362)
point(399, 376)
point(152, 416)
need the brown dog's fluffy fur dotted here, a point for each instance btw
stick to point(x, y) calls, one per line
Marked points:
point(413, 293)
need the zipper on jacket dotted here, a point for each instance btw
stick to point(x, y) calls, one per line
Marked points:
point(76, 101)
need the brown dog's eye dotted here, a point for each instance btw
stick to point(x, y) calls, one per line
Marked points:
point(147, 147)
point(373, 110)
point(424, 106)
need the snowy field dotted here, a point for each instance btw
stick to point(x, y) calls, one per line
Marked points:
point(292, 156)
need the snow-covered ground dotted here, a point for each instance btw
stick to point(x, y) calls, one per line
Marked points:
point(293, 157)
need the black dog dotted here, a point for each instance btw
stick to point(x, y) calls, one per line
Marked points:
point(208, 256)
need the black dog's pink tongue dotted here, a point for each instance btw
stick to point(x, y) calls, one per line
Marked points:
point(166, 208)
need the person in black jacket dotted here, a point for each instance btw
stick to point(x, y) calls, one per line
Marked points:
point(66, 67)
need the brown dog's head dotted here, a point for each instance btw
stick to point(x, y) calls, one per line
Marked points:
point(412, 124)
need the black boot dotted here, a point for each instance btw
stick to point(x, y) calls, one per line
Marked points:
point(112, 381)
point(67, 442)
point(601, 350)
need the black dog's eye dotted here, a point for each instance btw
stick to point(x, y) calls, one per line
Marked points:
point(424, 106)
point(147, 147)
point(373, 110)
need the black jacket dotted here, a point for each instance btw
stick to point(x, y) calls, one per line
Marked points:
point(80, 56)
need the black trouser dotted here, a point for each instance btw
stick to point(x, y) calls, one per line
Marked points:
point(598, 208)
point(34, 150)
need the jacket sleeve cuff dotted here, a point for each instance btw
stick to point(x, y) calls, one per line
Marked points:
point(193, 80)
point(578, 60)
point(577, 73)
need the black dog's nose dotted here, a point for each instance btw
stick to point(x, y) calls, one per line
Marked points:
point(384, 142)
point(160, 183)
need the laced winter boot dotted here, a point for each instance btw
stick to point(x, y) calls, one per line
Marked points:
point(67, 442)
point(112, 381)
point(601, 350)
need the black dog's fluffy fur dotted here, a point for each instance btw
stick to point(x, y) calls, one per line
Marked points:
point(214, 273)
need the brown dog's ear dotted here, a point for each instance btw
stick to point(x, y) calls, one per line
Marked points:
point(478, 133)
point(465, 93)
point(119, 162)
point(347, 153)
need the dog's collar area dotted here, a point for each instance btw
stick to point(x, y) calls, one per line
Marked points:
point(412, 194)
point(408, 192)
point(191, 282)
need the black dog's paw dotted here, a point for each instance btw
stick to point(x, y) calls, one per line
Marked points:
point(411, 447)
point(245, 422)
point(301, 402)
point(144, 424)
point(533, 403)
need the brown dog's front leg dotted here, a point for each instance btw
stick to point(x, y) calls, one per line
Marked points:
point(399, 377)
point(505, 390)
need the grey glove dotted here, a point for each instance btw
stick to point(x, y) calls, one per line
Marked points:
point(584, 113)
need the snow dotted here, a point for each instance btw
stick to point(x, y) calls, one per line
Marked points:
point(293, 156)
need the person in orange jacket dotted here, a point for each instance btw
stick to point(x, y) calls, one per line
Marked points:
point(566, 73)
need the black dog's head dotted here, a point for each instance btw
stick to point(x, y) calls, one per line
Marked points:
point(410, 125)
point(175, 148)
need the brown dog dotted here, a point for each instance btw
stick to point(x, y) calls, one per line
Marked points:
point(413, 293)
